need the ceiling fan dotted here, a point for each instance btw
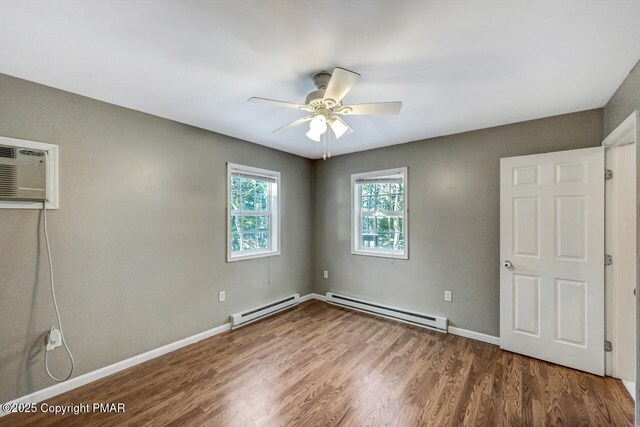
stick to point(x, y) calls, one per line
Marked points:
point(326, 107)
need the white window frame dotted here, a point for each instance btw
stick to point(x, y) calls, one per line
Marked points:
point(356, 226)
point(276, 217)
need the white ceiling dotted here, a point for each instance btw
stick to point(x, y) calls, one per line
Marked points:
point(456, 65)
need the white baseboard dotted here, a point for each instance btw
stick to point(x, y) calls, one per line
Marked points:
point(631, 388)
point(474, 335)
point(75, 382)
point(313, 296)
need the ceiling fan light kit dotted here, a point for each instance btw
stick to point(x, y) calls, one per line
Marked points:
point(339, 127)
point(325, 105)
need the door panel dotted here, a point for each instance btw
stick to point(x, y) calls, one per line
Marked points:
point(571, 297)
point(526, 313)
point(526, 175)
point(570, 172)
point(571, 228)
point(526, 219)
point(552, 232)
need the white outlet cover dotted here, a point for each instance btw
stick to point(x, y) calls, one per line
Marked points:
point(326, 274)
point(447, 295)
point(222, 296)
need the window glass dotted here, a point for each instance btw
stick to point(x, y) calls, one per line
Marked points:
point(253, 213)
point(380, 213)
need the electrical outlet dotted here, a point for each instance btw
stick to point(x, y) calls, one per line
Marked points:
point(326, 274)
point(222, 296)
point(447, 296)
point(54, 338)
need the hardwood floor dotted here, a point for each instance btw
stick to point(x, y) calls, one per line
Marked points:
point(319, 364)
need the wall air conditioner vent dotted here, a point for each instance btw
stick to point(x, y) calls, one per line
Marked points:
point(23, 174)
point(7, 152)
point(8, 180)
point(28, 174)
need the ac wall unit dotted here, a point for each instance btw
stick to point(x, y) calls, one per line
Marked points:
point(420, 319)
point(258, 313)
point(23, 174)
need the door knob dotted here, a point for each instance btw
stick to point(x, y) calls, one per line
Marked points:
point(507, 264)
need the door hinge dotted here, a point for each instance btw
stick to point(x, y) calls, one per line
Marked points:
point(608, 346)
point(608, 174)
point(608, 260)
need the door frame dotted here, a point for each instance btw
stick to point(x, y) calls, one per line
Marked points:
point(625, 134)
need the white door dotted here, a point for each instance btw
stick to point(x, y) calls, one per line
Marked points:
point(552, 252)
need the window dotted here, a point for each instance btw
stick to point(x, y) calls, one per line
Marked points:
point(253, 212)
point(380, 222)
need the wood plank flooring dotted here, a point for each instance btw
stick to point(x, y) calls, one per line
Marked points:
point(319, 364)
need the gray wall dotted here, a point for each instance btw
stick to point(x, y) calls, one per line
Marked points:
point(139, 239)
point(454, 191)
point(623, 102)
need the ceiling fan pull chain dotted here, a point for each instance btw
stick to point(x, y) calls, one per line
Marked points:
point(329, 138)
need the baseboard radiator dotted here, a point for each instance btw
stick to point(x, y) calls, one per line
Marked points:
point(420, 319)
point(258, 313)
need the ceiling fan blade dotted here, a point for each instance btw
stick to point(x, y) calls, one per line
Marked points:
point(279, 103)
point(340, 84)
point(339, 127)
point(294, 124)
point(376, 108)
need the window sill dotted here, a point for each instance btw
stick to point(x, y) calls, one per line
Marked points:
point(403, 256)
point(251, 255)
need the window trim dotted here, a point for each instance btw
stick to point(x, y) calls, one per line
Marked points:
point(356, 228)
point(276, 211)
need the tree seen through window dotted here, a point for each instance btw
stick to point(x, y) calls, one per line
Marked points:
point(382, 215)
point(250, 214)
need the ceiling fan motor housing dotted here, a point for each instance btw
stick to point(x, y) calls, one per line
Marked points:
point(321, 80)
point(314, 99)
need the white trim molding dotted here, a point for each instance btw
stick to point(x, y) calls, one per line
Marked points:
point(621, 242)
point(312, 296)
point(53, 176)
point(630, 387)
point(478, 336)
point(75, 382)
point(625, 133)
